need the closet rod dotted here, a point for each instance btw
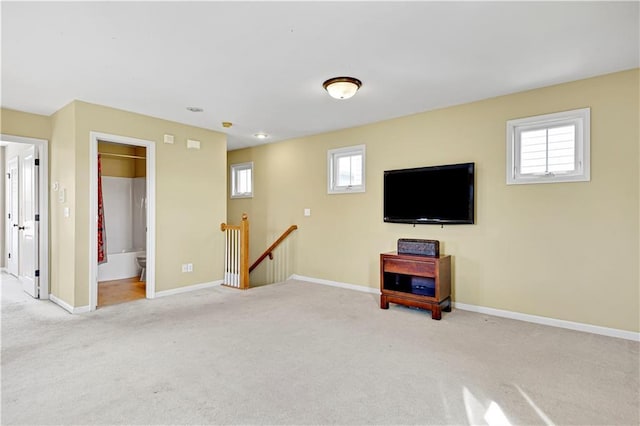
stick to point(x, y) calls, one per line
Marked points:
point(137, 157)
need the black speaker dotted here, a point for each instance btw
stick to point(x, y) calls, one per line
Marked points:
point(429, 248)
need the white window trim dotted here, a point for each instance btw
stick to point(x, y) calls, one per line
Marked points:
point(582, 119)
point(234, 169)
point(332, 154)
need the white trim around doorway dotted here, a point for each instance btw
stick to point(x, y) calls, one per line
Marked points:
point(43, 200)
point(94, 137)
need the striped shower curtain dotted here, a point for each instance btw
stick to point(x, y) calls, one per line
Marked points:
point(102, 236)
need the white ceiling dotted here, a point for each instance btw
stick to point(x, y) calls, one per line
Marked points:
point(261, 65)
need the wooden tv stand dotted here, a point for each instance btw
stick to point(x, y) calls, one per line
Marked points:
point(418, 281)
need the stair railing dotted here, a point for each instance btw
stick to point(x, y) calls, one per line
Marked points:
point(236, 254)
point(272, 247)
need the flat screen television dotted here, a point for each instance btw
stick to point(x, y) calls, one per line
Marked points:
point(430, 195)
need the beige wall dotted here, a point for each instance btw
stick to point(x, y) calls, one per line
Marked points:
point(190, 193)
point(568, 251)
point(18, 123)
point(117, 166)
point(190, 196)
point(140, 168)
point(62, 242)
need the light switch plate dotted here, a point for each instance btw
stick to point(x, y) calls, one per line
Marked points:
point(193, 144)
point(168, 138)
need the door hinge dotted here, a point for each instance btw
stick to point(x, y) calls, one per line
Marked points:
point(37, 218)
point(37, 272)
point(37, 161)
point(9, 254)
point(9, 216)
point(8, 175)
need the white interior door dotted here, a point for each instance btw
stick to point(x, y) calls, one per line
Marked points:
point(28, 230)
point(13, 219)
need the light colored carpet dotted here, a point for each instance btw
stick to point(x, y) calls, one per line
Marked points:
point(301, 353)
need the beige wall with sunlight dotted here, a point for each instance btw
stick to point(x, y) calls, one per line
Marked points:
point(568, 250)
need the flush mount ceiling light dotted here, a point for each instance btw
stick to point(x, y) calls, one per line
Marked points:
point(195, 109)
point(342, 87)
point(261, 135)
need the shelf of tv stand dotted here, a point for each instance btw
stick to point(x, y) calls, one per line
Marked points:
point(418, 281)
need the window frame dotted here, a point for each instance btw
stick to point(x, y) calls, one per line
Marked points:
point(332, 157)
point(235, 168)
point(581, 118)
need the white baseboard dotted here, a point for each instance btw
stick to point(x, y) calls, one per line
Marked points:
point(336, 284)
point(84, 309)
point(188, 288)
point(578, 326)
point(553, 322)
point(68, 307)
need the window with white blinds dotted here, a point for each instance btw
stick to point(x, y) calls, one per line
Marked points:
point(242, 180)
point(549, 148)
point(345, 170)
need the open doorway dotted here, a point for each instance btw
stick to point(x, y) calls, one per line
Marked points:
point(123, 209)
point(25, 217)
point(122, 223)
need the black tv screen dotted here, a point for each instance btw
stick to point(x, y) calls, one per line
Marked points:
point(431, 195)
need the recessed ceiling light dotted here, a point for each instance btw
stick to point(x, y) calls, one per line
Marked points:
point(195, 109)
point(261, 135)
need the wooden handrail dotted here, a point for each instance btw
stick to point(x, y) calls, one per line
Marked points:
point(272, 247)
point(224, 226)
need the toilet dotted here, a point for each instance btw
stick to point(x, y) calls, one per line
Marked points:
point(142, 262)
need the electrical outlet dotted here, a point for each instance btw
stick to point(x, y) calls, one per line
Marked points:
point(185, 267)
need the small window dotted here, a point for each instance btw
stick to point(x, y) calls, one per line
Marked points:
point(549, 148)
point(242, 180)
point(346, 170)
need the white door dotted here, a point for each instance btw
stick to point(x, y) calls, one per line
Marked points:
point(28, 230)
point(13, 219)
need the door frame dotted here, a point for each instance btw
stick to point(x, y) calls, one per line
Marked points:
point(43, 200)
point(150, 146)
point(12, 206)
point(29, 189)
